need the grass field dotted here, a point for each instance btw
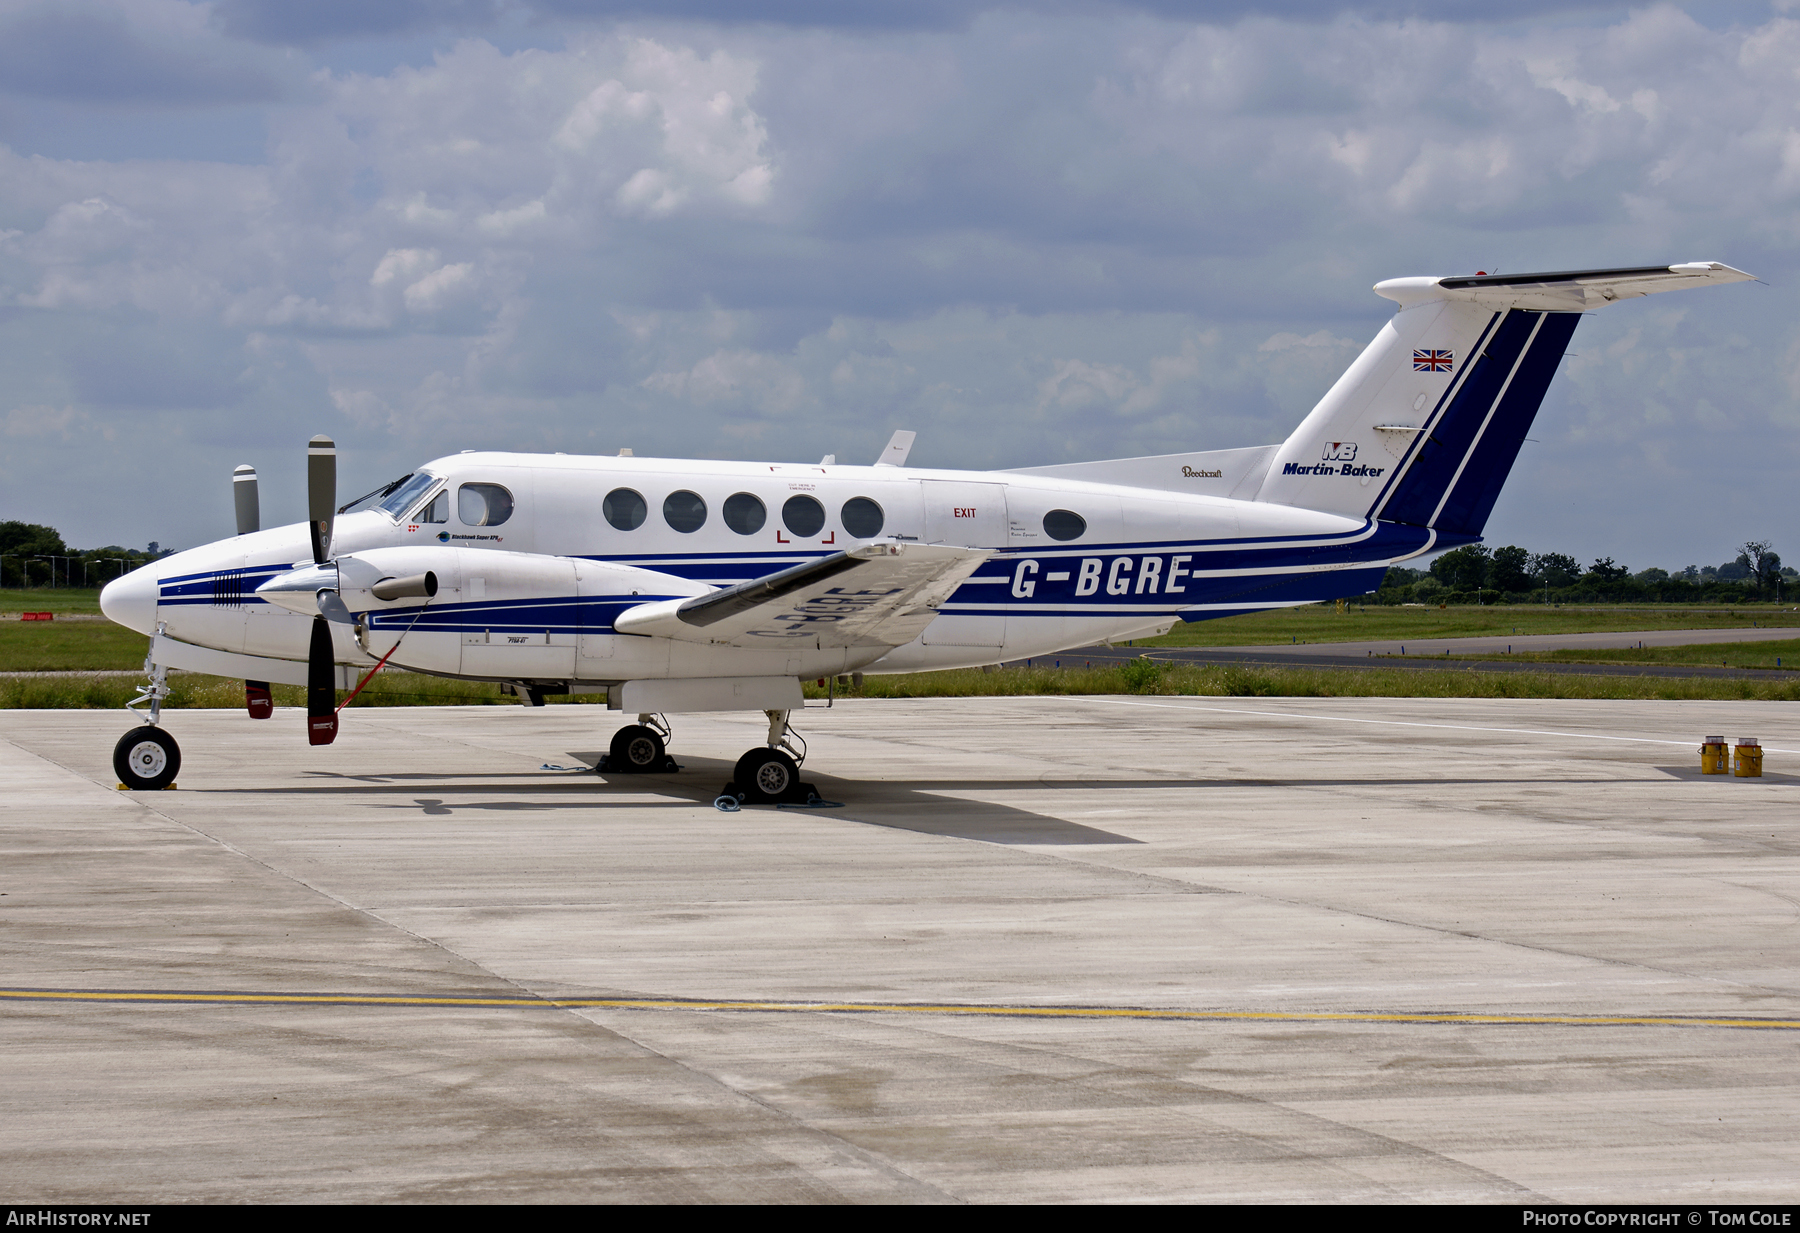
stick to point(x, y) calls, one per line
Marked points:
point(1322, 623)
point(1139, 677)
point(1783, 655)
point(69, 646)
point(193, 690)
point(59, 600)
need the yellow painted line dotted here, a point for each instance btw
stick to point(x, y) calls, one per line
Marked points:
point(177, 997)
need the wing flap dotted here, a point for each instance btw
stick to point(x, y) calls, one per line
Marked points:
point(877, 596)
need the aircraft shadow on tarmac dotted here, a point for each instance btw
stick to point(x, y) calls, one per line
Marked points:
point(915, 805)
point(925, 806)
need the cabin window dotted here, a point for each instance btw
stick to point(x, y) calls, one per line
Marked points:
point(1063, 524)
point(745, 513)
point(624, 509)
point(804, 516)
point(483, 505)
point(437, 511)
point(684, 511)
point(863, 518)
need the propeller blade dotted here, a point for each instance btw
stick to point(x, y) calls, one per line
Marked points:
point(321, 493)
point(243, 494)
point(332, 608)
point(321, 692)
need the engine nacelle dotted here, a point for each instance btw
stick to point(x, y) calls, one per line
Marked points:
point(495, 614)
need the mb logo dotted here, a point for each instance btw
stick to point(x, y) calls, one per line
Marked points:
point(1339, 451)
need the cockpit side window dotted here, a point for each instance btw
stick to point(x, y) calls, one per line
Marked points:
point(437, 511)
point(483, 505)
point(399, 496)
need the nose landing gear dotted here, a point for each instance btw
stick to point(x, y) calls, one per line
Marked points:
point(147, 759)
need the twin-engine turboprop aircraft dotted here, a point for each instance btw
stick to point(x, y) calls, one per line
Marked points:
point(707, 586)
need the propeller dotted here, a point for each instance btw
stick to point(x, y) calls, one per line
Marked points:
point(243, 494)
point(321, 494)
point(321, 504)
point(257, 698)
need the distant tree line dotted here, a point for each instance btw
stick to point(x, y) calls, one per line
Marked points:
point(1511, 575)
point(35, 556)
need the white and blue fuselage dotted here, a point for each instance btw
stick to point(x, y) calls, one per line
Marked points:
point(1072, 563)
point(550, 569)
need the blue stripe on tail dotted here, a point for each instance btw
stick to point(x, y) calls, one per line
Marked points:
point(1512, 390)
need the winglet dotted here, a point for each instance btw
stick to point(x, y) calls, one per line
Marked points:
point(898, 447)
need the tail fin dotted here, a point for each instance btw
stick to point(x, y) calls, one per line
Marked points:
point(1424, 427)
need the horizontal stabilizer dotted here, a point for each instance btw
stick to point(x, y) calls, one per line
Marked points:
point(1560, 290)
point(879, 595)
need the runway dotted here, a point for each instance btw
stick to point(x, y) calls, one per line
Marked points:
point(1048, 949)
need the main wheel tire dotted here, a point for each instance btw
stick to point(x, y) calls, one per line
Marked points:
point(635, 750)
point(766, 775)
point(146, 759)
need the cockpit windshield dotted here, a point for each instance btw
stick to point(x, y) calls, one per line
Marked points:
point(396, 498)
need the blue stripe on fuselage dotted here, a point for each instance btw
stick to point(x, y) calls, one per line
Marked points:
point(1264, 572)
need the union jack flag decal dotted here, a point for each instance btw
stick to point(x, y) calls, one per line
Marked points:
point(1432, 361)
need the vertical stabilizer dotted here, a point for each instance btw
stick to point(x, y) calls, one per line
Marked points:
point(1425, 426)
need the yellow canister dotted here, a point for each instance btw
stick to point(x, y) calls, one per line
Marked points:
point(1746, 761)
point(1713, 756)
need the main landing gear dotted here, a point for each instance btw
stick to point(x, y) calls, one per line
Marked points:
point(639, 749)
point(147, 759)
point(769, 774)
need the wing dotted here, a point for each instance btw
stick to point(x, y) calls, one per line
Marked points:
point(879, 595)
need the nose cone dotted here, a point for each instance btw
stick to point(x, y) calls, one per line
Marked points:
point(131, 601)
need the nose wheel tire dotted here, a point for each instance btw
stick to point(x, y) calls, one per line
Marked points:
point(636, 750)
point(146, 759)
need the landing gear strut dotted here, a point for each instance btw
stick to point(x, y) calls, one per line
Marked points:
point(147, 759)
point(769, 774)
point(639, 749)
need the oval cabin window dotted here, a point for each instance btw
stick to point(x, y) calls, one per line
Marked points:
point(624, 509)
point(1062, 524)
point(862, 518)
point(803, 516)
point(684, 511)
point(745, 513)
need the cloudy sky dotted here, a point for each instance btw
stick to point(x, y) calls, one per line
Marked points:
point(1033, 232)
